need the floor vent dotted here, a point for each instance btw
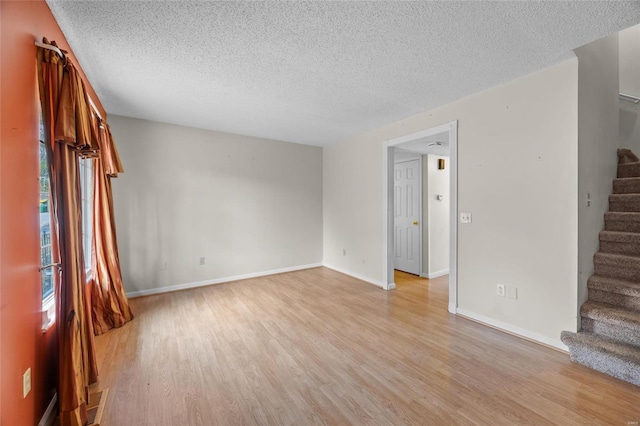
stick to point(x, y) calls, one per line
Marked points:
point(95, 407)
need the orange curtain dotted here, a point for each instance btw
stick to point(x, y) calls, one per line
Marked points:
point(109, 303)
point(67, 131)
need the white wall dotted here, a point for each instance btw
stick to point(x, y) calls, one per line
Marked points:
point(247, 205)
point(630, 85)
point(517, 151)
point(352, 208)
point(629, 40)
point(438, 216)
point(597, 145)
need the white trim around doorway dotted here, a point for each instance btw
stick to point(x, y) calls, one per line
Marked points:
point(387, 213)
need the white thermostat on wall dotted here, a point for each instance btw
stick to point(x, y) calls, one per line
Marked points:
point(465, 217)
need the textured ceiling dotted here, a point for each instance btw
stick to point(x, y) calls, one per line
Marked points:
point(316, 72)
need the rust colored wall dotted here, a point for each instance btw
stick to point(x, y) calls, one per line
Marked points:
point(22, 343)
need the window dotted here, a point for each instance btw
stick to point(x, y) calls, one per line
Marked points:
point(85, 167)
point(44, 208)
point(86, 188)
point(45, 223)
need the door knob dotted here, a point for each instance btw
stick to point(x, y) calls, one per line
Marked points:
point(415, 222)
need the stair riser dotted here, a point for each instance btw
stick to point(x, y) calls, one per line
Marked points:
point(631, 249)
point(628, 170)
point(624, 301)
point(630, 336)
point(621, 226)
point(626, 187)
point(622, 272)
point(605, 363)
point(624, 205)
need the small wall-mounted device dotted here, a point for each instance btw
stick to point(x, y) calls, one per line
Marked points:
point(439, 197)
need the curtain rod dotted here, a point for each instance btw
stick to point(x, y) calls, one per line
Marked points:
point(95, 108)
point(50, 47)
point(59, 52)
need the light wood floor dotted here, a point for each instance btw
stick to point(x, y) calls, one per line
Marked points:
point(318, 347)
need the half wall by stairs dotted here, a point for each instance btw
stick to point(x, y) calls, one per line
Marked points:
point(610, 337)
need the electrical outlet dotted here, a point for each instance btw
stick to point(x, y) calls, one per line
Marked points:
point(465, 217)
point(26, 383)
point(501, 290)
point(202, 260)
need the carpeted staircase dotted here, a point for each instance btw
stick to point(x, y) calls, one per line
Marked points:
point(610, 337)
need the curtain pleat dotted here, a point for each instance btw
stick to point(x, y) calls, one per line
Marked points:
point(67, 134)
point(109, 153)
point(109, 303)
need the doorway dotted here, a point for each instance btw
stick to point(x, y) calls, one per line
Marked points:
point(416, 142)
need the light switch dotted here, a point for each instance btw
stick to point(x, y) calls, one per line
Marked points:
point(465, 217)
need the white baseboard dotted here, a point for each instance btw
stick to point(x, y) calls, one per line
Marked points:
point(360, 277)
point(49, 415)
point(205, 283)
point(435, 274)
point(512, 329)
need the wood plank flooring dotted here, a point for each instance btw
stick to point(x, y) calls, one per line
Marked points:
point(319, 347)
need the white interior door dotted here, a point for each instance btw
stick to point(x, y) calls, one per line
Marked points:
point(407, 216)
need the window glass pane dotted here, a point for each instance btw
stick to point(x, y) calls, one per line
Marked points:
point(86, 187)
point(45, 218)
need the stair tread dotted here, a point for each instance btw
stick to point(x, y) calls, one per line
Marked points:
point(631, 196)
point(628, 170)
point(616, 213)
point(616, 256)
point(622, 216)
point(620, 236)
point(622, 221)
point(603, 345)
point(624, 202)
point(610, 313)
point(627, 179)
point(617, 259)
point(614, 285)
